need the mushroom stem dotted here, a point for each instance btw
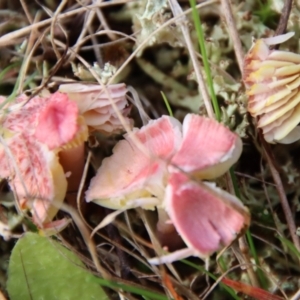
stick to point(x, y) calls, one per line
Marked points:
point(164, 224)
point(73, 161)
point(166, 232)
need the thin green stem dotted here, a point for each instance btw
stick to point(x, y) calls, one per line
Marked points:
point(198, 26)
point(169, 109)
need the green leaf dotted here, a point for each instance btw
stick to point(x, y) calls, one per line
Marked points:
point(41, 268)
point(290, 246)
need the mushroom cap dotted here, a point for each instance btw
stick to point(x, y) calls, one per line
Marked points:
point(206, 217)
point(34, 131)
point(95, 106)
point(137, 171)
point(208, 148)
point(168, 156)
point(205, 148)
point(57, 122)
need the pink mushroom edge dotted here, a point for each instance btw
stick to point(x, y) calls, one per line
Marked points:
point(208, 148)
point(135, 175)
point(58, 121)
point(206, 217)
point(35, 176)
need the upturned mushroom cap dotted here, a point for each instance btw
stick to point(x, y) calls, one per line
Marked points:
point(208, 149)
point(57, 122)
point(133, 173)
point(206, 217)
point(272, 79)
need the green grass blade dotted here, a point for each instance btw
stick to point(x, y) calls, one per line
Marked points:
point(290, 246)
point(167, 104)
point(262, 278)
point(198, 26)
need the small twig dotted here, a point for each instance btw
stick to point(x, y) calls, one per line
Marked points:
point(97, 50)
point(54, 23)
point(282, 196)
point(296, 296)
point(85, 233)
point(227, 12)
point(243, 245)
point(33, 43)
point(9, 38)
point(26, 11)
point(284, 17)
point(89, 18)
point(237, 45)
point(103, 22)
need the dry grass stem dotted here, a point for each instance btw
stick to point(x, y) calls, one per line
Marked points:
point(233, 33)
point(284, 17)
point(282, 195)
point(141, 45)
point(12, 37)
point(86, 236)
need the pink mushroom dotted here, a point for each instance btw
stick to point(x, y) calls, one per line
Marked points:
point(95, 106)
point(205, 216)
point(208, 149)
point(34, 132)
point(135, 176)
point(170, 157)
point(44, 138)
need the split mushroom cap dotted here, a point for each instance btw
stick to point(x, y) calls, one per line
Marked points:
point(272, 79)
point(169, 157)
point(202, 147)
point(35, 175)
point(137, 169)
point(57, 121)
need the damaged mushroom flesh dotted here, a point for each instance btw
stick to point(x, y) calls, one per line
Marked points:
point(165, 155)
point(272, 79)
point(34, 131)
point(43, 136)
